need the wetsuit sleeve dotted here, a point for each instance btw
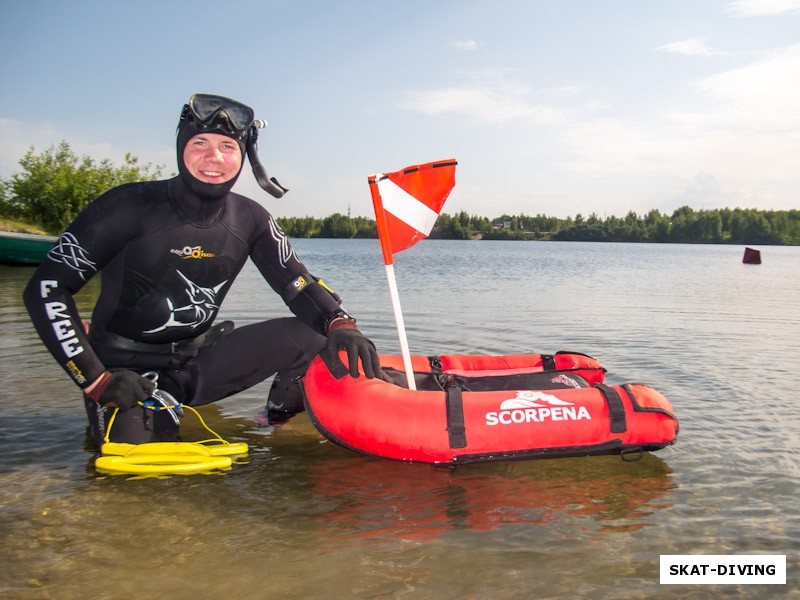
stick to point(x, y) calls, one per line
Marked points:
point(81, 251)
point(277, 261)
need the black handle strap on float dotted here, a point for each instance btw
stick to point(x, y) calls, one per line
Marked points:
point(616, 409)
point(454, 405)
point(548, 362)
point(436, 364)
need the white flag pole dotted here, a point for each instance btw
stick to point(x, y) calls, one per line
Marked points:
point(388, 260)
point(401, 328)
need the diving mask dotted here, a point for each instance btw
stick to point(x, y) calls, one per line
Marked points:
point(209, 112)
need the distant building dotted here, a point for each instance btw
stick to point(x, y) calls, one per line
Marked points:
point(503, 225)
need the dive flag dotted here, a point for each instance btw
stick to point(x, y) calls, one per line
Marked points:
point(408, 202)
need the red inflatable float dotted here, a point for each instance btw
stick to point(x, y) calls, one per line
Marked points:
point(489, 408)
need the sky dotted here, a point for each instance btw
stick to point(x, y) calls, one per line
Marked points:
point(555, 107)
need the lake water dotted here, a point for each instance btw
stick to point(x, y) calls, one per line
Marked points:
point(307, 519)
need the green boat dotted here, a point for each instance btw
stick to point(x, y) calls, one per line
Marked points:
point(24, 248)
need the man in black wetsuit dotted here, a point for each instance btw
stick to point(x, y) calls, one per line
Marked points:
point(169, 252)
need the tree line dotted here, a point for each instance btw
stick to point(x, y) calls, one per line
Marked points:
point(684, 225)
point(55, 185)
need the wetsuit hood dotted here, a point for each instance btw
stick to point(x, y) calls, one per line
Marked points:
point(204, 191)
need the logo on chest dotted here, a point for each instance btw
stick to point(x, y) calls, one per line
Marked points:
point(199, 307)
point(192, 252)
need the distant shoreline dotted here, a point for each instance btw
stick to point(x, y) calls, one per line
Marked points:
point(684, 226)
point(480, 239)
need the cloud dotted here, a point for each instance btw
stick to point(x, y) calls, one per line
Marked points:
point(762, 8)
point(465, 45)
point(489, 96)
point(763, 96)
point(689, 47)
point(742, 133)
point(17, 138)
point(731, 138)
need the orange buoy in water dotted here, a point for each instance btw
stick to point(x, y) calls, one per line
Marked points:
point(751, 256)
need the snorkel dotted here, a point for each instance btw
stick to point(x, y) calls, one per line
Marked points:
point(267, 183)
point(217, 114)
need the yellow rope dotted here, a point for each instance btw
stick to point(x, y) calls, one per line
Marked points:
point(110, 423)
point(167, 457)
point(203, 423)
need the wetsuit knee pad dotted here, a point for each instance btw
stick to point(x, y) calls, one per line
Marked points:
point(285, 400)
point(179, 383)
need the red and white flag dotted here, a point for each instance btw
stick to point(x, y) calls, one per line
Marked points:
point(408, 202)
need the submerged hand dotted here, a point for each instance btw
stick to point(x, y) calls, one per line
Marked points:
point(358, 346)
point(123, 389)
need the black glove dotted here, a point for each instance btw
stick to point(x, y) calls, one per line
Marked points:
point(122, 389)
point(358, 347)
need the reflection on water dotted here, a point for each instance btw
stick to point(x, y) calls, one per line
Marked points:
point(375, 501)
point(307, 519)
